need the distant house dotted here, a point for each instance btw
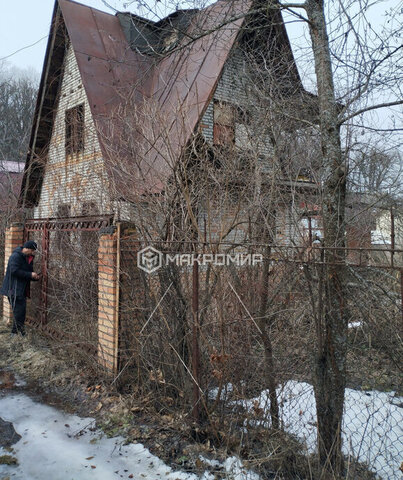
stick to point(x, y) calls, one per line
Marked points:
point(175, 79)
point(373, 223)
point(388, 233)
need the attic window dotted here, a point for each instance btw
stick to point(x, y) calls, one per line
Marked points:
point(74, 141)
point(224, 124)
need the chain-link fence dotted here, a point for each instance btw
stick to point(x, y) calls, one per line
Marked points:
point(234, 342)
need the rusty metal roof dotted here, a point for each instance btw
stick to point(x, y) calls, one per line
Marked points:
point(107, 64)
point(165, 95)
point(169, 93)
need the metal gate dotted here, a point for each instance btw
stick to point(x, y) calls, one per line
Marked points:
point(63, 246)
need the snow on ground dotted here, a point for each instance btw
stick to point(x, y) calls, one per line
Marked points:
point(59, 446)
point(354, 324)
point(372, 428)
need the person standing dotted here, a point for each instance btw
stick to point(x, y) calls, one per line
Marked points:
point(16, 283)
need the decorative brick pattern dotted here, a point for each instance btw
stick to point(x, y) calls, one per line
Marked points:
point(13, 239)
point(108, 303)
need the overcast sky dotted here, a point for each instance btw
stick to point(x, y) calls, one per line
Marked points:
point(27, 22)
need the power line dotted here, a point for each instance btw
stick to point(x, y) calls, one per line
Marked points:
point(23, 48)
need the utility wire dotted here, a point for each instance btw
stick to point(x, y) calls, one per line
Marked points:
point(23, 48)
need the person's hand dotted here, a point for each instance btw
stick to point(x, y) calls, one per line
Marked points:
point(35, 276)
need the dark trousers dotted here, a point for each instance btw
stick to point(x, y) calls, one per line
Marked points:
point(19, 306)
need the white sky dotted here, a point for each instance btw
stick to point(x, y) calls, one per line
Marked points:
point(25, 22)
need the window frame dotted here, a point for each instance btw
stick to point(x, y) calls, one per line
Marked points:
point(74, 129)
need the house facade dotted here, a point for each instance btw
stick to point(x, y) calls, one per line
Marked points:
point(158, 132)
point(98, 66)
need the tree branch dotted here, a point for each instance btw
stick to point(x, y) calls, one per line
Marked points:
point(367, 109)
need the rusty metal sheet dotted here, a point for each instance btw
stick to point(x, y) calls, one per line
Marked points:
point(107, 64)
point(185, 80)
point(177, 87)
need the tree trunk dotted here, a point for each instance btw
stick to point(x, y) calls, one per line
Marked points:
point(264, 322)
point(332, 341)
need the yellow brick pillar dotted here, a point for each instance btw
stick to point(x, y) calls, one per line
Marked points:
point(108, 301)
point(14, 238)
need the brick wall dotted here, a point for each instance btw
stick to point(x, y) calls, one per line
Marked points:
point(13, 239)
point(234, 88)
point(108, 300)
point(80, 177)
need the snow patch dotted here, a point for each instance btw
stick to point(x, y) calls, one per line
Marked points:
point(372, 423)
point(236, 471)
point(354, 324)
point(60, 446)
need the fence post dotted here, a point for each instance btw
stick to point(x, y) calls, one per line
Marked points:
point(44, 271)
point(392, 237)
point(195, 344)
point(108, 302)
point(14, 238)
point(401, 299)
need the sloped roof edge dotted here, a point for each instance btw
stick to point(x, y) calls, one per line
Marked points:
point(181, 84)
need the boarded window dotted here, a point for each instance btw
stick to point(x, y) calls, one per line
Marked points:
point(75, 130)
point(89, 208)
point(224, 124)
point(63, 237)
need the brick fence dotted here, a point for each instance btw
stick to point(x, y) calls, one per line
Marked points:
point(14, 238)
point(108, 293)
point(108, 302)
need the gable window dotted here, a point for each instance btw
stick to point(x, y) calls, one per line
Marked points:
point(74, 140)
point(224, 124)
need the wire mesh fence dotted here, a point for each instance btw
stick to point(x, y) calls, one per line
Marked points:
point(246, 353)
point(227, 334)
point(72, 291)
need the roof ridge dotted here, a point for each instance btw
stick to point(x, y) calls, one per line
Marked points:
point(86, 6)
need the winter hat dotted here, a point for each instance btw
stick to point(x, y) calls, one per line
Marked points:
point(31, 245)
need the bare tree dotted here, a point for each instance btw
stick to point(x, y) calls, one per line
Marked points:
point(17, 104)
point(352, 65)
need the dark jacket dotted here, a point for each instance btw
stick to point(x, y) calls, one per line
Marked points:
point(18, 275)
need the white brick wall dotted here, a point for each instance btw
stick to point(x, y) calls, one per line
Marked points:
point(81, 177)
point(234, 87)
